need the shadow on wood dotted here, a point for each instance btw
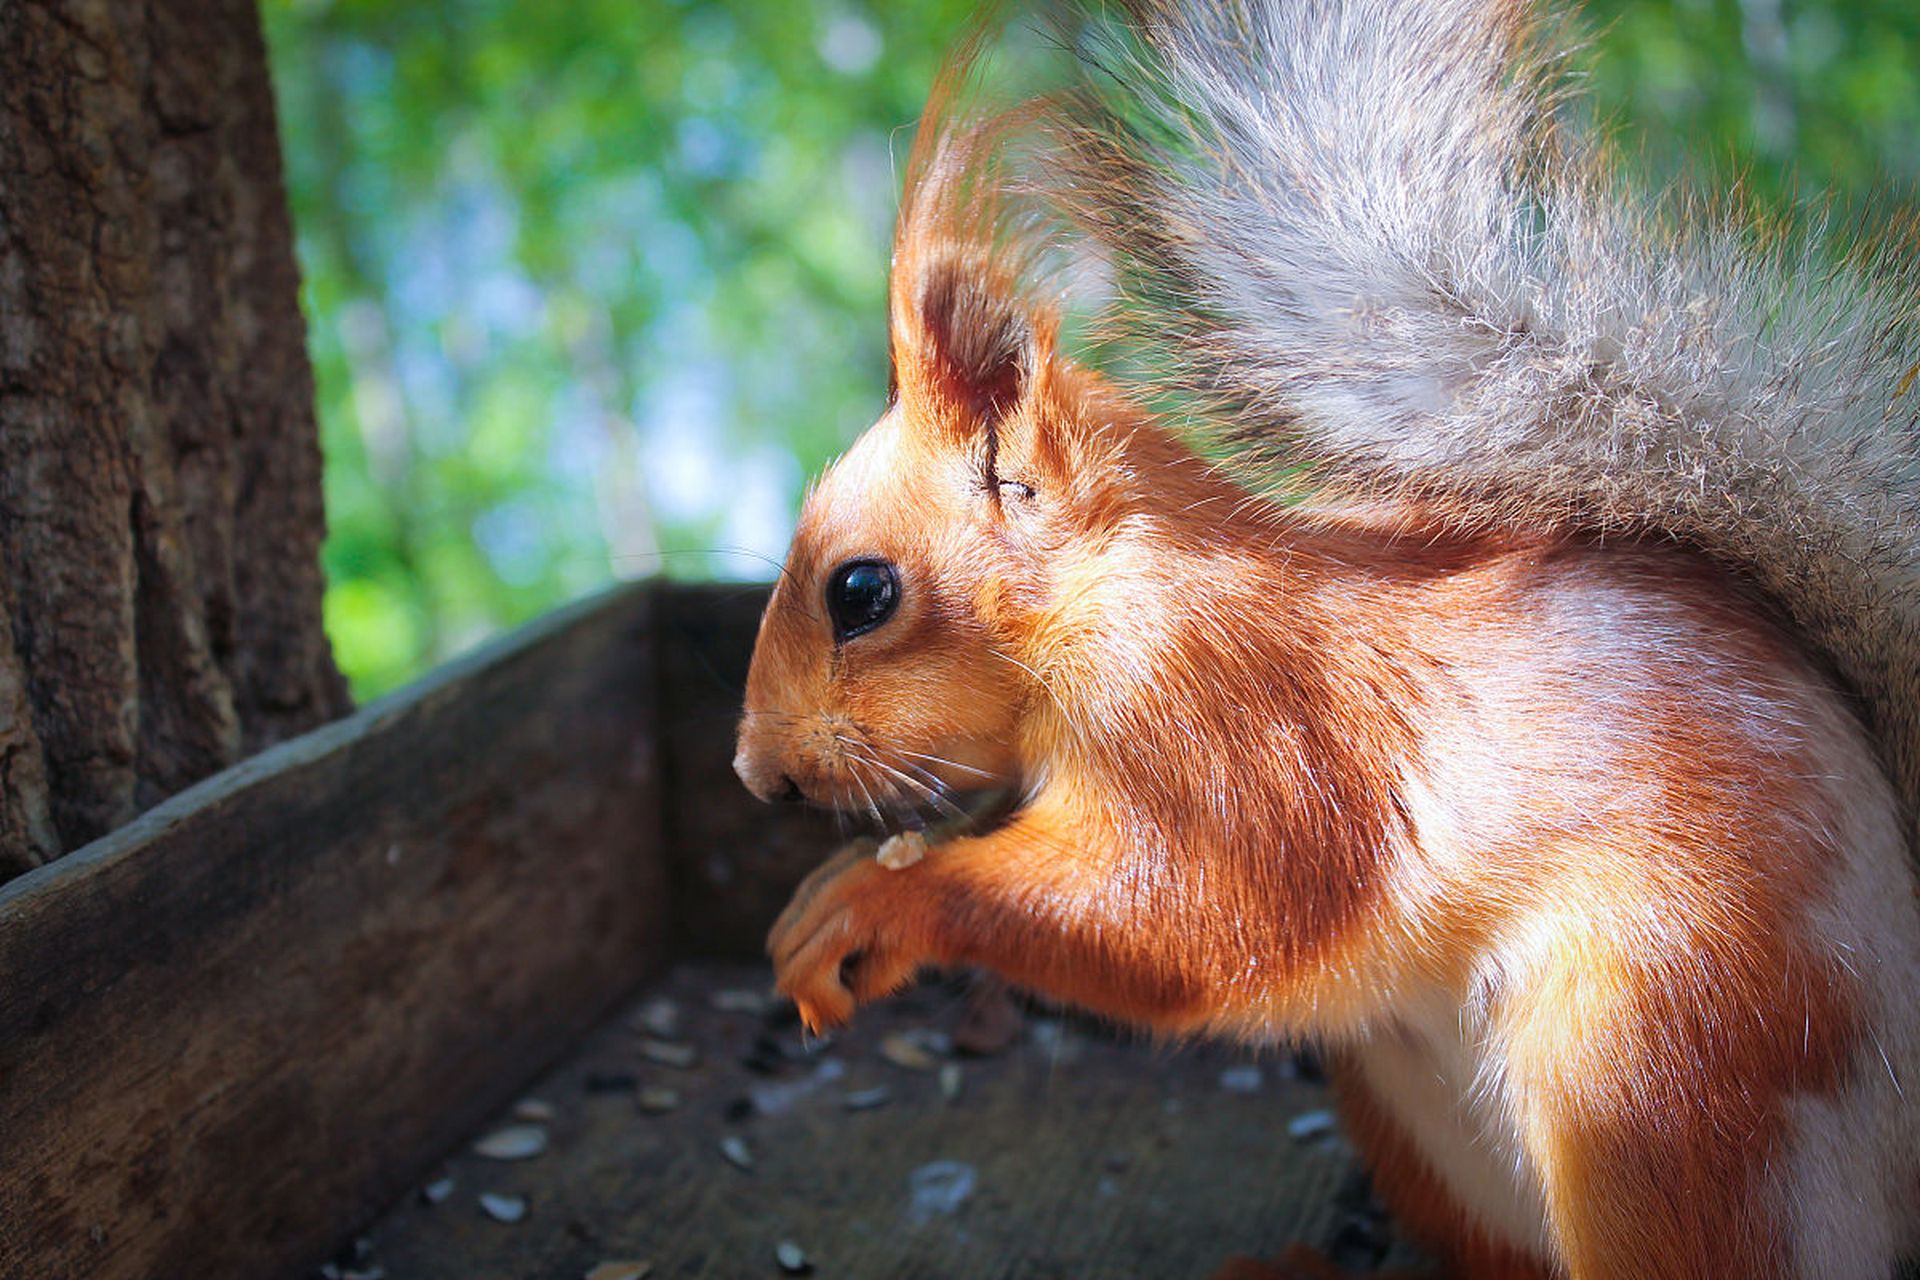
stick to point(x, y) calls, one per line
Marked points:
point(733, 861)
point(248, 1020)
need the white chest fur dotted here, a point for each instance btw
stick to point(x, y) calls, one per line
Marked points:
point(1435, 1076)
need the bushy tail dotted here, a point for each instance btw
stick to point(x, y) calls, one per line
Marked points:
point(1366, 232)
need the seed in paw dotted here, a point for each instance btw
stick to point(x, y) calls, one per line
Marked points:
point(902, 850)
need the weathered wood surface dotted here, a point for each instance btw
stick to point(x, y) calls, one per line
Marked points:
point(1089, 1159)
point(734, 860)
point(238, 1026)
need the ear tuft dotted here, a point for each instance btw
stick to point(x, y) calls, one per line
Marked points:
point(979, 338)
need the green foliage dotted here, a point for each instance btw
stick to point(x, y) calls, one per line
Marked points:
point(589, 285)
point(593, 286)
point(1791, 99)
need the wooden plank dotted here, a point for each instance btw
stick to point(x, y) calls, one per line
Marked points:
point(734, 861)
point(239, 1026)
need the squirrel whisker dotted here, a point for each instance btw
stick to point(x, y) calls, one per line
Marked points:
point(986, 775)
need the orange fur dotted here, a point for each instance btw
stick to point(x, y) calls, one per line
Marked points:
point(1287, 775)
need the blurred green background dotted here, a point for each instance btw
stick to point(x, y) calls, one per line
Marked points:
point(593, 287)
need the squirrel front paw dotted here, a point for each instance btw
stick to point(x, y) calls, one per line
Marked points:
point(855, 930)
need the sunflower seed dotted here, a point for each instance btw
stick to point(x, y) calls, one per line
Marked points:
point(868, 1099)
point(1242, 1079)
point(771, 1098)
point(620, 1270)
point(792, 1259)
point(1309, 1125)
point(737, 1000)
point(734, 1148)
point(901, 851)
point(915, 1050)
point(515, 1142)
point(656, 1101)
point(938, 1189)
point(658, 1016)
point(669, 1053)
point(951, 1079)
point(508, 1209)
point(538, 1110)
point(438, 1191)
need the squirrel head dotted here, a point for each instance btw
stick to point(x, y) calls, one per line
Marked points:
point(936, 565)
point(888, 671)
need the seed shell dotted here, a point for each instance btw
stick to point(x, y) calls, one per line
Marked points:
point(669, 1053)
point(515, 1142)
point(538, 1110)
point(915, 1050)
point(1309, 1125)
point(507, 1209)
point(737, 1000)
point(1245, 1078)
point(620, 1269)
point(898, 852)
point(657, 1017)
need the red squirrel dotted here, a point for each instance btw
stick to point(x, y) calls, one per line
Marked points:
point(1554, 767)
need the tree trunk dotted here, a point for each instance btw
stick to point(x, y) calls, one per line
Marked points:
point(160, 516)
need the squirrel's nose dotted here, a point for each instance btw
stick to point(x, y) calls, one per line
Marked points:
point(769, 785)
point(743, 764)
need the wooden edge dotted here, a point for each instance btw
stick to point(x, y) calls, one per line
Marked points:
point(256, 1015)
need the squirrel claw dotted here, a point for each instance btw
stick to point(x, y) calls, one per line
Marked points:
point(812, 973)
point(839, 942)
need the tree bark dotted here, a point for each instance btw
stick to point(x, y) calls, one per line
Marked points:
point(160, 514)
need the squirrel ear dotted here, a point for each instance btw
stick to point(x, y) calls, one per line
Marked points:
point(963, 335)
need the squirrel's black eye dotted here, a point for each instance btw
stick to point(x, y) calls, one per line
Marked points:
point(860, 596)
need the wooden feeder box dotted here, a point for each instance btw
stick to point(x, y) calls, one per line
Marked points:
point(239, 1036)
